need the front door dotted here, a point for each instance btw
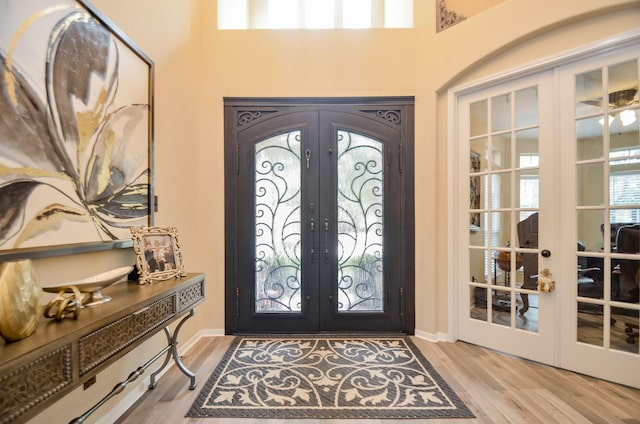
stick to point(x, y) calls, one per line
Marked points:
point(323, 222)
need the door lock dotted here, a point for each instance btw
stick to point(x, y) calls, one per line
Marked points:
point(545, 253)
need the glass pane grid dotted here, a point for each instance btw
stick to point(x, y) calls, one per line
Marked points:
point(608, 206)
point(508, 187)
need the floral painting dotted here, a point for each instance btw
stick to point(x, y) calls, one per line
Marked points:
point(75, 127)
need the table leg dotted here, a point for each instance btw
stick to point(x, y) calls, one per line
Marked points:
point(172, 340)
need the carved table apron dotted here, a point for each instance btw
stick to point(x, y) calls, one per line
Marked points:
point(60, 356)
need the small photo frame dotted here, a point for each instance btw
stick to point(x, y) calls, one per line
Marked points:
point(158, 253)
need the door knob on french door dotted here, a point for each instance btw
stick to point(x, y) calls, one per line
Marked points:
point(545, 282)
point(545, 253)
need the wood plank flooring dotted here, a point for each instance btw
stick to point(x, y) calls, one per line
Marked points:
point(497, 388)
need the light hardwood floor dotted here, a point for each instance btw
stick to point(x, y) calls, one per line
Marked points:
point(497, 388)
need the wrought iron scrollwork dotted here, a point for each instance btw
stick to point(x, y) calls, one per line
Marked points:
point(246, 117)
point(392, 116)
point(389, 116)
point(278, 224)
point(360, 223)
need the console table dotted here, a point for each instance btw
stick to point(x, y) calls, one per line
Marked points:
point(60, 356)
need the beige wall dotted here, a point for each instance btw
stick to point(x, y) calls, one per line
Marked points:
point(196, 66)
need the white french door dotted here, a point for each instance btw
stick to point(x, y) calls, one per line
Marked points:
point(507, 169)
point(549, 192)
point(601, 206)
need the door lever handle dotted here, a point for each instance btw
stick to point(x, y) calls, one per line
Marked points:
point(312, 229)
point(326, 238)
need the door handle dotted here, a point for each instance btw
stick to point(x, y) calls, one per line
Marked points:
point(545, 253)
point(312, 230)
point(545, 282)
point(326, 239)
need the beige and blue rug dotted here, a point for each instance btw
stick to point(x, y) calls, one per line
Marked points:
point(326, 377)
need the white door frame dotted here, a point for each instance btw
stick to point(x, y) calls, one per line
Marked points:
point(618, 42)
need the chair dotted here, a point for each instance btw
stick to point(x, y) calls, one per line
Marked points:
point(528, 238)
point(628, 272)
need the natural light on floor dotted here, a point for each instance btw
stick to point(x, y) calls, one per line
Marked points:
point(314, 14)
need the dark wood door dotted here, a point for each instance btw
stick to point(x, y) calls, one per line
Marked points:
point(319, 230)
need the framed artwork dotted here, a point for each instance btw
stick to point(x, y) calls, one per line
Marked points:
point(76, 131)
point(474, 192)
point(158, 255)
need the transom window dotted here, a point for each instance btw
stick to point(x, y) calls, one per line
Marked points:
point(314, 14)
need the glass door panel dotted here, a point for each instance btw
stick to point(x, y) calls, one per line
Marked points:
point(608, 198)
point(278, 229)
point(360, 223)
point(510, 190)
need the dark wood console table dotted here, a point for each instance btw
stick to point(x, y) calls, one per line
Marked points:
point(60, 356)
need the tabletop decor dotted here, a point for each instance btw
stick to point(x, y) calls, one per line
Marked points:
point(158, 253)
point(20, 300)
point(87, 292)
point(76, 134)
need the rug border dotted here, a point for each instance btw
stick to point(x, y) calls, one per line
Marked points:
point(198, 411)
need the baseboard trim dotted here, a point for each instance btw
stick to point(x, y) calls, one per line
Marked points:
point(432, 337)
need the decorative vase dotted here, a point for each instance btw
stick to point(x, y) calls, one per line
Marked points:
point(20, 300)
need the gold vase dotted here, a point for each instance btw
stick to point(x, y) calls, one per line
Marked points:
point(20, 300)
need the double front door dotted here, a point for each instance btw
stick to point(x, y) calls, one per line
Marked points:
point(319, 226)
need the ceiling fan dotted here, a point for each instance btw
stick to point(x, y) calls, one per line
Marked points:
point(617, 99)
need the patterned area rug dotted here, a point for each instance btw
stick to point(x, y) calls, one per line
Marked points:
point(326, 377)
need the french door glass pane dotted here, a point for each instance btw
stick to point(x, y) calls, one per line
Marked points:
point(277, 208)
point(504, 192)
point(590, 231)
point(501, 112)
point(360, 223)
point(527, 107)
point(478, 118)
point(501, 152)
point(608, 174)
point(589, 93)
point(590, 138)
